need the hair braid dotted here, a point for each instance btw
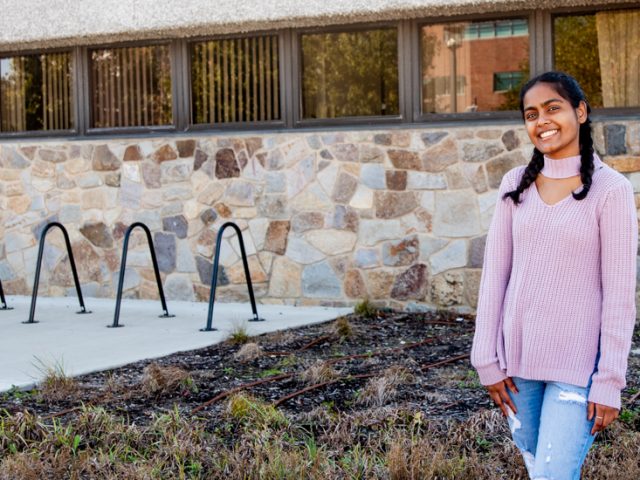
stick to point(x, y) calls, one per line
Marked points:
point(529, 176)
point(586, 159)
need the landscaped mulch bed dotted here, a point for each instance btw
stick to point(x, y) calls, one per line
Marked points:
point(395, 390)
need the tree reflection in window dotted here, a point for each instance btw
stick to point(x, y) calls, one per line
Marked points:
point(350, 74)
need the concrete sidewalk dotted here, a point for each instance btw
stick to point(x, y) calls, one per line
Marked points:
point(82, 343)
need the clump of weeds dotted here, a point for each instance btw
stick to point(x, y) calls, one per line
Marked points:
point(254, 412)
point(159, 379)
point(55, 385)
point(248, 352)
point(343, 328)
point(289, 361)
point(239, 335)
point(319, 372)
point(380, 390)
point(365, 309)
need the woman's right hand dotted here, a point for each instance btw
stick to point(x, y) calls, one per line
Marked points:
point(500, 396)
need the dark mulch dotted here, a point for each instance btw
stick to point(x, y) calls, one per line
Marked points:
point(382, 342)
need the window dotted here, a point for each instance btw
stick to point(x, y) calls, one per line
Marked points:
point(500, 28)
point(468, 68)
point(472, 55)
point(36, 92)
point(131, 87)
point(601, 51)
point(504, 81)
point(235, 80)
point(350, 74)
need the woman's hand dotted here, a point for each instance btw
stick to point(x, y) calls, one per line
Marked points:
point(498, 393)
point(604, 416)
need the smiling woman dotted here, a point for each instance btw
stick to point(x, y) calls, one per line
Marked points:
point(552, 122)
point(556, 306)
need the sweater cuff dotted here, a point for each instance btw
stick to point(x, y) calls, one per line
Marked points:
point(491, 374)
point(605, 395)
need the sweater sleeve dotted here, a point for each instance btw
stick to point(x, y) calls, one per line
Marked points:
point(496, 270)
point(618, 250)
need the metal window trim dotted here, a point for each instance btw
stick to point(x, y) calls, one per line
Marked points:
point(74, 97)
point(428, 118)
point(190, 125)
point(589, 9)
point(299, 121)
point(130, 130)
point(229, 126)
point(409, 51)
point(180, 89)
point(236, 35)
point(89, 129)
point(32, 52)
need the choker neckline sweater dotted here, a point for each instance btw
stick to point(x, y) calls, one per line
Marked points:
point(558, 287)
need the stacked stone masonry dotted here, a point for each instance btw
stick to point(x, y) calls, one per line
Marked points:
point(397, 216)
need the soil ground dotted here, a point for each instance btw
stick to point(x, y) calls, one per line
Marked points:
point(386, 383)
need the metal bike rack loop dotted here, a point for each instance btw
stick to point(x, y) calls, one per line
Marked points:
point(214, 279)
point(123, 265)
point(39, 266)
point(3, 300)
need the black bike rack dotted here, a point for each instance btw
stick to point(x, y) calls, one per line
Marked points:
point(2, 299)
point(214, 279)
point(123, 264)
point(39, 266)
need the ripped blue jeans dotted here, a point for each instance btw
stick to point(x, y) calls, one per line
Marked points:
point(551, 428)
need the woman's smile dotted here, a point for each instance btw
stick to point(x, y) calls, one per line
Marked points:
point(548, 133)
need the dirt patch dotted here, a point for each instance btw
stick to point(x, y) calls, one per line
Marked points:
point(391, 396)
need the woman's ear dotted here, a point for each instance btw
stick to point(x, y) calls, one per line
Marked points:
point(581, 112)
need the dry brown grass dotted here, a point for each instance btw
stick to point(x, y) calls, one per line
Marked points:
point(380, 390)
point(260, 442)
point(159, 379)
point(55, 385)
point(319, 372)
point(248, 352)
point(343, 328)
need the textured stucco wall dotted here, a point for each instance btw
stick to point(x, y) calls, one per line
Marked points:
point(50, 23)
point(398, 216)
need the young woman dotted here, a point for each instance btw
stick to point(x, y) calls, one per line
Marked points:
point(556, 307)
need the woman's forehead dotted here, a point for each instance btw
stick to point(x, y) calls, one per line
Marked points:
point(541, 94)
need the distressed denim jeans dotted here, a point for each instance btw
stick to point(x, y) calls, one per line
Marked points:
point(551, 428)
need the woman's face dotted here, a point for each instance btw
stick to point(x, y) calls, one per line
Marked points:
point(552, 123)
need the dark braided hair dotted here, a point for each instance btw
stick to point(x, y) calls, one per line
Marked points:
point(569, 89)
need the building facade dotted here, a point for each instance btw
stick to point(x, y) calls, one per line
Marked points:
point(358, 147)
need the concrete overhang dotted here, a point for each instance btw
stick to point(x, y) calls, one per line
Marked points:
point(37, 24)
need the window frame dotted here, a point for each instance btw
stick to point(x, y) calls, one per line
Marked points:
point(541, 50)
point(74, 107)
point(458, 118)
point(189, 126)
point(600, 112)
point(91, 131)
point(300, 122)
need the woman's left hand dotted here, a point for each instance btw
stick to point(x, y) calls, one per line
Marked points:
point(604, 416)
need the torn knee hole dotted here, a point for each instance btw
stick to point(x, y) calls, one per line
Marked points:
point(573, 397)
point(514, 422)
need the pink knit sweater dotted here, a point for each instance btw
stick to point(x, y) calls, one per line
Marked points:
point(558, 285)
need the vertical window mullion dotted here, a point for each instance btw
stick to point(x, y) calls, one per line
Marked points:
point(179, 88)
point(81, 89)
point(293, 77)
point(406, 45)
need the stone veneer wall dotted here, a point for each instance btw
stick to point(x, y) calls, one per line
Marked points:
point(397, 216)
